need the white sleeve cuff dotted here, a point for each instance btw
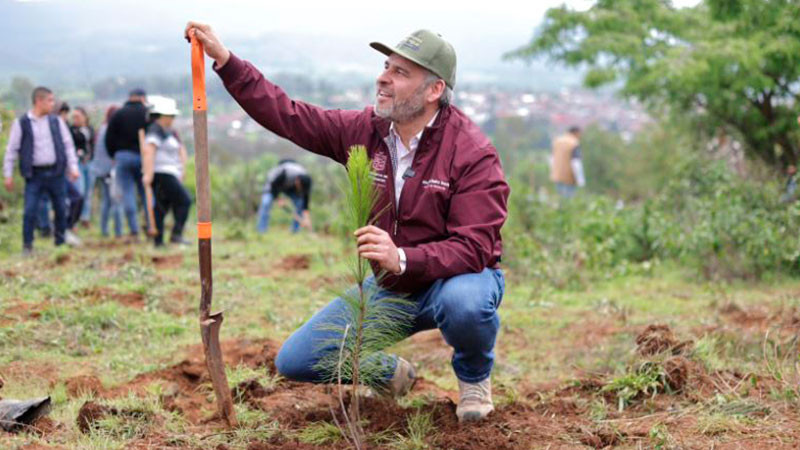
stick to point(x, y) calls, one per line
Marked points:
point(402, 256)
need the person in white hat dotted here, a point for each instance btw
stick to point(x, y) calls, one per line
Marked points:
point(163, 162)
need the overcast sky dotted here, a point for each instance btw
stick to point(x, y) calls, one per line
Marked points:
point(326, 33)
point(367, 19)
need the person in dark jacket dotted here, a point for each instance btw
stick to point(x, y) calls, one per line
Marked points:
point(441, 185)
point(83, 136)
point(292, 180)
point(42, 143)
point(122, 143)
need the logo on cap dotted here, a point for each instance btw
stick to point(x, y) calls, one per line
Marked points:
point(411, 42)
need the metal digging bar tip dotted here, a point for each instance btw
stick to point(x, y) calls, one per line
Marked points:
point(209, 323)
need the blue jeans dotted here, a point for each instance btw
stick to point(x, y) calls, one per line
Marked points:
point(566, 190)
point(109, 207)
point(41, 184)
point(129, 177)
point(86, 186)
point(43, 216)
point(266, 205)
point(463, 307)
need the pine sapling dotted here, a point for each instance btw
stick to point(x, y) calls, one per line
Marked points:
point(372, 320)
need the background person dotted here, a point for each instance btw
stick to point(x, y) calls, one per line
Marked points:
point(566, 169)
point(47, 162)
point(100, 169)
point(163, 162)
point(122, 142)
point(293, 180)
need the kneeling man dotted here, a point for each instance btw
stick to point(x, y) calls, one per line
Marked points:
point(442, 192)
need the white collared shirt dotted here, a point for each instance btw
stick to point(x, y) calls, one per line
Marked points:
point(44, 151)
point(405, 158)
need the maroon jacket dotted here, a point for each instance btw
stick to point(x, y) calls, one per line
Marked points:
point(451, 211)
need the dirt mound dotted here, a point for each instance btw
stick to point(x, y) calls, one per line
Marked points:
point(678, 370)
point(62, 258)
point(45, 426)
point(249, 391)
point(186, 386)
point(90, 413)
point(658, 338)
point(601, 437)
point(295, 262)
point(20, 311)
point(84, 385)
point(167, 261)
point(750, 317)
point(101, 294)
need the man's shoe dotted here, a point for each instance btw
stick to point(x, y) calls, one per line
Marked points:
point(72, 239)
point(475, 400)
point(403, 379)
point(27, 251)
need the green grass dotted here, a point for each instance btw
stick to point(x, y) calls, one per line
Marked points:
point(547, 335)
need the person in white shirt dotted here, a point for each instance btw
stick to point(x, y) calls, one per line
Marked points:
point(163, 162)
point(43, 144)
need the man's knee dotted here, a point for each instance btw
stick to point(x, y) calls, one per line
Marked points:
point(468, 299)
point(295, 362)
point(286, 363)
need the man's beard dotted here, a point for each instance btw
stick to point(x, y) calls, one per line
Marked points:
point(402, 111)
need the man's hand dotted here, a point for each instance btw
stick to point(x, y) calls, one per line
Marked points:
point(211, 43)
point(9, 184)
point(73, 175)
point(147, 179)
point(376, 245)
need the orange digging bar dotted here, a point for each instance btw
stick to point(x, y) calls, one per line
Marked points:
point(210, 323)
point(198, 76)
point(204, 230)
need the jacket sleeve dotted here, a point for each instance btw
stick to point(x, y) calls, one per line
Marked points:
point(312, 128)
point(478, 209)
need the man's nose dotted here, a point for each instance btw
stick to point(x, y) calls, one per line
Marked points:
point(383, 78)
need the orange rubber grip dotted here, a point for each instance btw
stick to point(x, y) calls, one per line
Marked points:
point(198, 76)
point(203, 230)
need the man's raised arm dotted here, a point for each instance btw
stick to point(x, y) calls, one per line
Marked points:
point(309, 126)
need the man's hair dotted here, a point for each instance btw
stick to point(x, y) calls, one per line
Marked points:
point(447, 94)
point(574, 129)
point(63, 108)
point(40, 92)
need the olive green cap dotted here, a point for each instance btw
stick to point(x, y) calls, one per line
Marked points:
point(427, 49)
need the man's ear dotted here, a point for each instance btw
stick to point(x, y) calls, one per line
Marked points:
point(436, 91)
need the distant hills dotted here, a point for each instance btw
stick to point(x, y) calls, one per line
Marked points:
point(50, 42)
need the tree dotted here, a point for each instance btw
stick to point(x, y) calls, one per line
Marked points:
point(725, 63)
point(19, 93)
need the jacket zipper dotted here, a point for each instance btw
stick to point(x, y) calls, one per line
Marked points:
point(399, 199)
